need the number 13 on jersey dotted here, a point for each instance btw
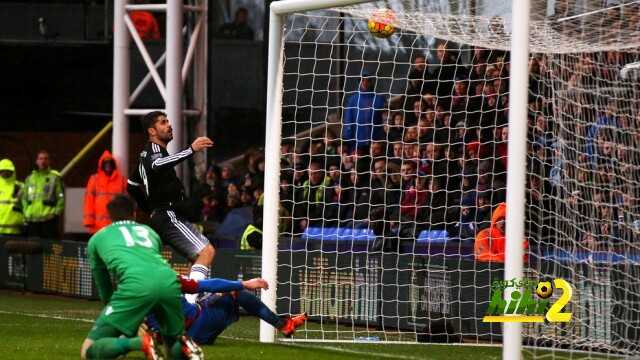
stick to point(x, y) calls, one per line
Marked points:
point(139, 237)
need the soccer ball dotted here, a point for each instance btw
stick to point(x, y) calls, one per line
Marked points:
point(544, 289)
point(381, 23)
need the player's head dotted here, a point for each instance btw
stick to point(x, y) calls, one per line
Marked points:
point(157, 126)
point(121, 207)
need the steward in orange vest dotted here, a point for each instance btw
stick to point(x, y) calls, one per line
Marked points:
point(490, 243)
point(101, 188)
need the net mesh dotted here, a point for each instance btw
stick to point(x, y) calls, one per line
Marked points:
point(394, 159)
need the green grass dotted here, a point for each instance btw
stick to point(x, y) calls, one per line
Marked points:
point(50, 327)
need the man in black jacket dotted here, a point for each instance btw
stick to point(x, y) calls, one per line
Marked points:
point(157, 189)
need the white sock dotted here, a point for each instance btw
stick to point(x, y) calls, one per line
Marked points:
point(198, 272)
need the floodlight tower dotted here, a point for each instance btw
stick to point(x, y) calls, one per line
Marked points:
point(180, 65)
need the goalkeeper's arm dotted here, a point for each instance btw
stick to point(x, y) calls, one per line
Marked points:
point(100, 274)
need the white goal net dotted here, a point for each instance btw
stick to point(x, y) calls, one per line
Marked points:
point(393, 172)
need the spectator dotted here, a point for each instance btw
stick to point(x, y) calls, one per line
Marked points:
point(541, 135)
point(411, 134)
point(417, 110)
point(11, 219)
point(348, 162)
point(432, 162)
point(427, 127)
point(362, 120)
point(443, 71)
point(233, 190)
point(377, 150)
point(416, 80)
point(465, 227)
point(355, 200)
point(483, 211)
point(332, 148)
point(411, 151)
point(314, 193)
point(606, 119)
point(490, 243)
point(239, 28)
point(397, 151)
point(43, 199)
point(246, 198)
point(395, 126)
point(408, 172)
point(212, 194)
point(453, 173)
point(460, 101)
point(335, 184)
point(233, 201)
point(286, 153)
point(501, 149)
point(434, 211)
point(227, 176)
point(418, 75)
point(101, 188)
point(379, 194)
point(146, 24)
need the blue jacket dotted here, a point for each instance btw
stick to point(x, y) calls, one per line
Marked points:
point(362, 120)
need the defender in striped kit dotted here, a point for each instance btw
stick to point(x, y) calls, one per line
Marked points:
point(157, 189)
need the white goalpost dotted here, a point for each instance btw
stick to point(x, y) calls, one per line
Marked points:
point(516, 170)
point(277, 12)
point(391, 162)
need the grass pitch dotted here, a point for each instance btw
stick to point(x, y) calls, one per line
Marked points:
point(51, 327)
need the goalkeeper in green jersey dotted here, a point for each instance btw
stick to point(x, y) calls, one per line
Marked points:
point(130, 252)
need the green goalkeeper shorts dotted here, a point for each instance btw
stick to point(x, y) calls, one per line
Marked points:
point(133, 301)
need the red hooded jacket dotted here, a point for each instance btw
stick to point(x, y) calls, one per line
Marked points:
point(101, 188)
point(490, 243)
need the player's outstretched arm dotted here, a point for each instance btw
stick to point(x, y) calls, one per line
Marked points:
point(255, 284)
point(198, 144)
point(216, 285)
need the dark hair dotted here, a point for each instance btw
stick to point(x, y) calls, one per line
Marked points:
point(121, 207)
point(316, 162)
point(150, 119)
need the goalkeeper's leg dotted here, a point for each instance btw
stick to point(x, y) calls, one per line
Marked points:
point(169, 314)
point(104, 342)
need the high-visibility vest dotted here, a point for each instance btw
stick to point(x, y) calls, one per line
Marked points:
point(244, 241)
point(11, 219)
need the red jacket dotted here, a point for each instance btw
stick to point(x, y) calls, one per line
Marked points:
point(101, 188)
point(412, 201)
point(490, 243)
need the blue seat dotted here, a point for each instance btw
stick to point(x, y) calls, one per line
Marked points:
point(364, 235)
point(338, 234)
point(312, 233)
point(345, 233)
point(433, 236)
point(330, 234)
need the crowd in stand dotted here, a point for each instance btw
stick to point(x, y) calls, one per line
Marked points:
point(435, 158)
point(431, 159)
